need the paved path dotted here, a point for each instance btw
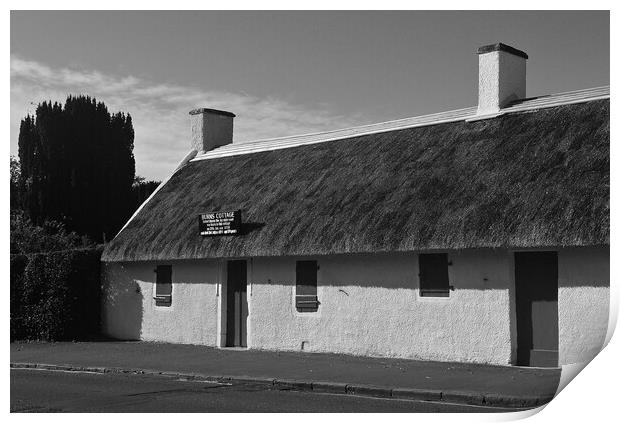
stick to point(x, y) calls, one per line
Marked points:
point(53, 391)
point(500, 381)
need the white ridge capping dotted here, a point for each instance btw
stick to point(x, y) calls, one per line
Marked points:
point(466, 114)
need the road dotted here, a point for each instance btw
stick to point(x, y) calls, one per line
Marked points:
point(57, 391)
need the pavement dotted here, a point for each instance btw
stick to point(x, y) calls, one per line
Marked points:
point(440, 382)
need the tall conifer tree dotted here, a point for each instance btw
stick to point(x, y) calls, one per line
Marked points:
point(77, 166)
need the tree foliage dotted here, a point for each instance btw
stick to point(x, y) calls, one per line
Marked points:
point(77, 166)
point(28, 238)
point(55, 296)
point(14, 189)
point(141, 190)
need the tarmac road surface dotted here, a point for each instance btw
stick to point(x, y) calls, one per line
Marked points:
point(34, 390)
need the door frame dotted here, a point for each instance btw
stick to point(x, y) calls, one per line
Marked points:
point(222, 302)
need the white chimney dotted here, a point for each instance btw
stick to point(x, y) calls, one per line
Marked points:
point(501, 77)
point(210, 129)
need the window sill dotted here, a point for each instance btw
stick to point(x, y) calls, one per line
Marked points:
point(163, 300)
point(307, 310)
point(433, 298)
point(434, 294)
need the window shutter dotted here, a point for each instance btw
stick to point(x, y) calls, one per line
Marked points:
point(434, 280)
point(163, 286)
point(306, 282)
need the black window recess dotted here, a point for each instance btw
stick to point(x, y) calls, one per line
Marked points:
point(434, 275)
point(163, 286)
point(306, 299)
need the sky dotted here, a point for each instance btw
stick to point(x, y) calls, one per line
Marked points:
point(285, 73)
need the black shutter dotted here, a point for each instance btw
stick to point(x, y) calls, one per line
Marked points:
point(434, 275)
point(306, 296)
point(163, 286)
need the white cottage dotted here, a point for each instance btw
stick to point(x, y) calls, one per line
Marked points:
point(475, 235)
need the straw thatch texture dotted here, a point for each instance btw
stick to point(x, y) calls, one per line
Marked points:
point(533, 179)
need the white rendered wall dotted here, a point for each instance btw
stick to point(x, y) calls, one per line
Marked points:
point(370, 306)
point(210, 130)
point(583, 302)
point(501, 79)
point(129, 310)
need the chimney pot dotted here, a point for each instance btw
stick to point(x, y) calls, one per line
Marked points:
point(211, 128)
point(501, 77)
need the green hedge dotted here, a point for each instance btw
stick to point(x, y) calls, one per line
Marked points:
point(56, 296)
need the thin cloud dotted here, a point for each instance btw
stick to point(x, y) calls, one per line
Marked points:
point(160, 110)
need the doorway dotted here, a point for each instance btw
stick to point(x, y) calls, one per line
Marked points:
point(536, 285)
point(236, 304)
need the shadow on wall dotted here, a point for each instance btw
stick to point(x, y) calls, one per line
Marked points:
point(122, 306)
point(482, 270)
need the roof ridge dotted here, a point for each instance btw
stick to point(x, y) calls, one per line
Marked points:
point(468, 113)
point(392, 124)
point(262, 140)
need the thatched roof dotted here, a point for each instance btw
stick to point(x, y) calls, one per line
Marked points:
point(528, 179)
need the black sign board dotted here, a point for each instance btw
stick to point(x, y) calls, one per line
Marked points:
point(220, 223)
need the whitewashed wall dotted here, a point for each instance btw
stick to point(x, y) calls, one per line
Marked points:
point(583, 302)
point(129, 310)
point(369, 306)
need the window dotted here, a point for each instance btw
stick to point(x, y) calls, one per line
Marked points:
point(434, 275)
point(163, 286)
point(305, 298)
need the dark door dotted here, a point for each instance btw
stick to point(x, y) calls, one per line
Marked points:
point(236, 304)
point(536, 283)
